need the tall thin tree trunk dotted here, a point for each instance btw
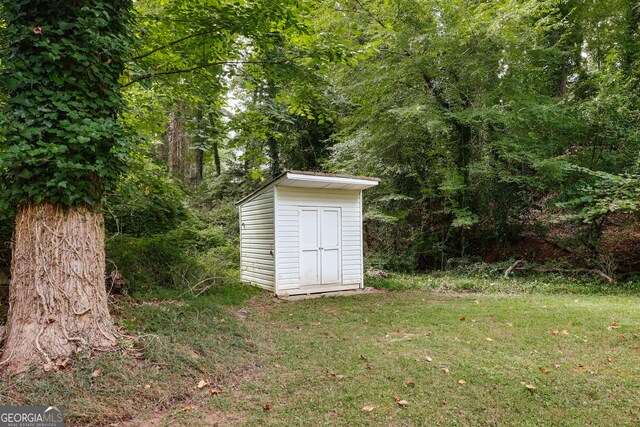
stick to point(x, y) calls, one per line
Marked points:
point(176, 158)
point(58, 300)
point(274, 153)
point(199, 148)
point(216, 159)
point(216, 153)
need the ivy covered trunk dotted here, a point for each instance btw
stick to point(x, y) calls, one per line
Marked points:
point(63, 145)
point(58, 301)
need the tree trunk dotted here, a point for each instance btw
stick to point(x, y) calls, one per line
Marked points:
point(58, 300)
point(274, 152)
point(216, 159)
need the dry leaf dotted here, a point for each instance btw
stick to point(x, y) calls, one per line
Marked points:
point(266, 407)
point(554, 332)
point(530, 387)
point(96, 373)
point(147, 386)
point(445, 370)
point(186, 408)
point(463, 318)
point(609, 360)
point(216, 391)
point(509, 324)
point(428, 359)
point(556, 365)
point(477, 301)
point(565, 332)
point(203, 383)
point(402, 403)
point(411, 383)
point(544, 369)
point(396, 398)
point(368, 408)
point(489, 340)
point(462, 382)
point(276, 365)
point(614, 325)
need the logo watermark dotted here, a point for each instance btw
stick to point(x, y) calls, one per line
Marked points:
point(32, 416)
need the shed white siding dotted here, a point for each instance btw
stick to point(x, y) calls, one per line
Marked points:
point(257, 244)
point(288, 202)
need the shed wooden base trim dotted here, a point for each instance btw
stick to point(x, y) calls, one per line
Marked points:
point(358, 291)
point(310, 290)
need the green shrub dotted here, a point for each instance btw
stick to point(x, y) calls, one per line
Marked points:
point(192, 257)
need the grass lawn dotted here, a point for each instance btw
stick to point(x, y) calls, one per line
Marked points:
point(455, 358)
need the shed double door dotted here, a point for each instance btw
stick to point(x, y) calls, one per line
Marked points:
point(320, 246)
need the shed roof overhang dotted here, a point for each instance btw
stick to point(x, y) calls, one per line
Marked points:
point(303, 179)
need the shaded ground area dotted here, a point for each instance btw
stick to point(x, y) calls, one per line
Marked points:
point(455, 358)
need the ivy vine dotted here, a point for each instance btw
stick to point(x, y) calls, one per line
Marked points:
point(61, 139)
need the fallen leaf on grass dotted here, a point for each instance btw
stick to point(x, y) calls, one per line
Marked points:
point(614, 325)
point(544, 369)
point(401, 402)
point(368, 408)
point(96, 373)
point(463, 318)
point(462, 382)
point(529, 387)
point(556, 365)
point(489, 340)
point(554, 333)
point(445, 370)
point(266, 407)
point(565, 332)
point(609, 360)
point(203, 383)
point(216, 391)
point(509, 324)
point(186, 408)
point(428, 359)
point(147, 386)
point(276, 365)
point(411, 383)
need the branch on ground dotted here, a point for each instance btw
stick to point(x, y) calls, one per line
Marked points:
point(521, 265)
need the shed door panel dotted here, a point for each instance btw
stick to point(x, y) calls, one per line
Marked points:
point(330, 249)
point(309, 246)
point(320, 240)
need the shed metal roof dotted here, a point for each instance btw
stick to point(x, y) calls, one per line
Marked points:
point(305, 179)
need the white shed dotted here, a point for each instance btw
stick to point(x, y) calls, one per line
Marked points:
point(301, 233)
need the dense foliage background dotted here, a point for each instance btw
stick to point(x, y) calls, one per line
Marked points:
point(501, 129)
